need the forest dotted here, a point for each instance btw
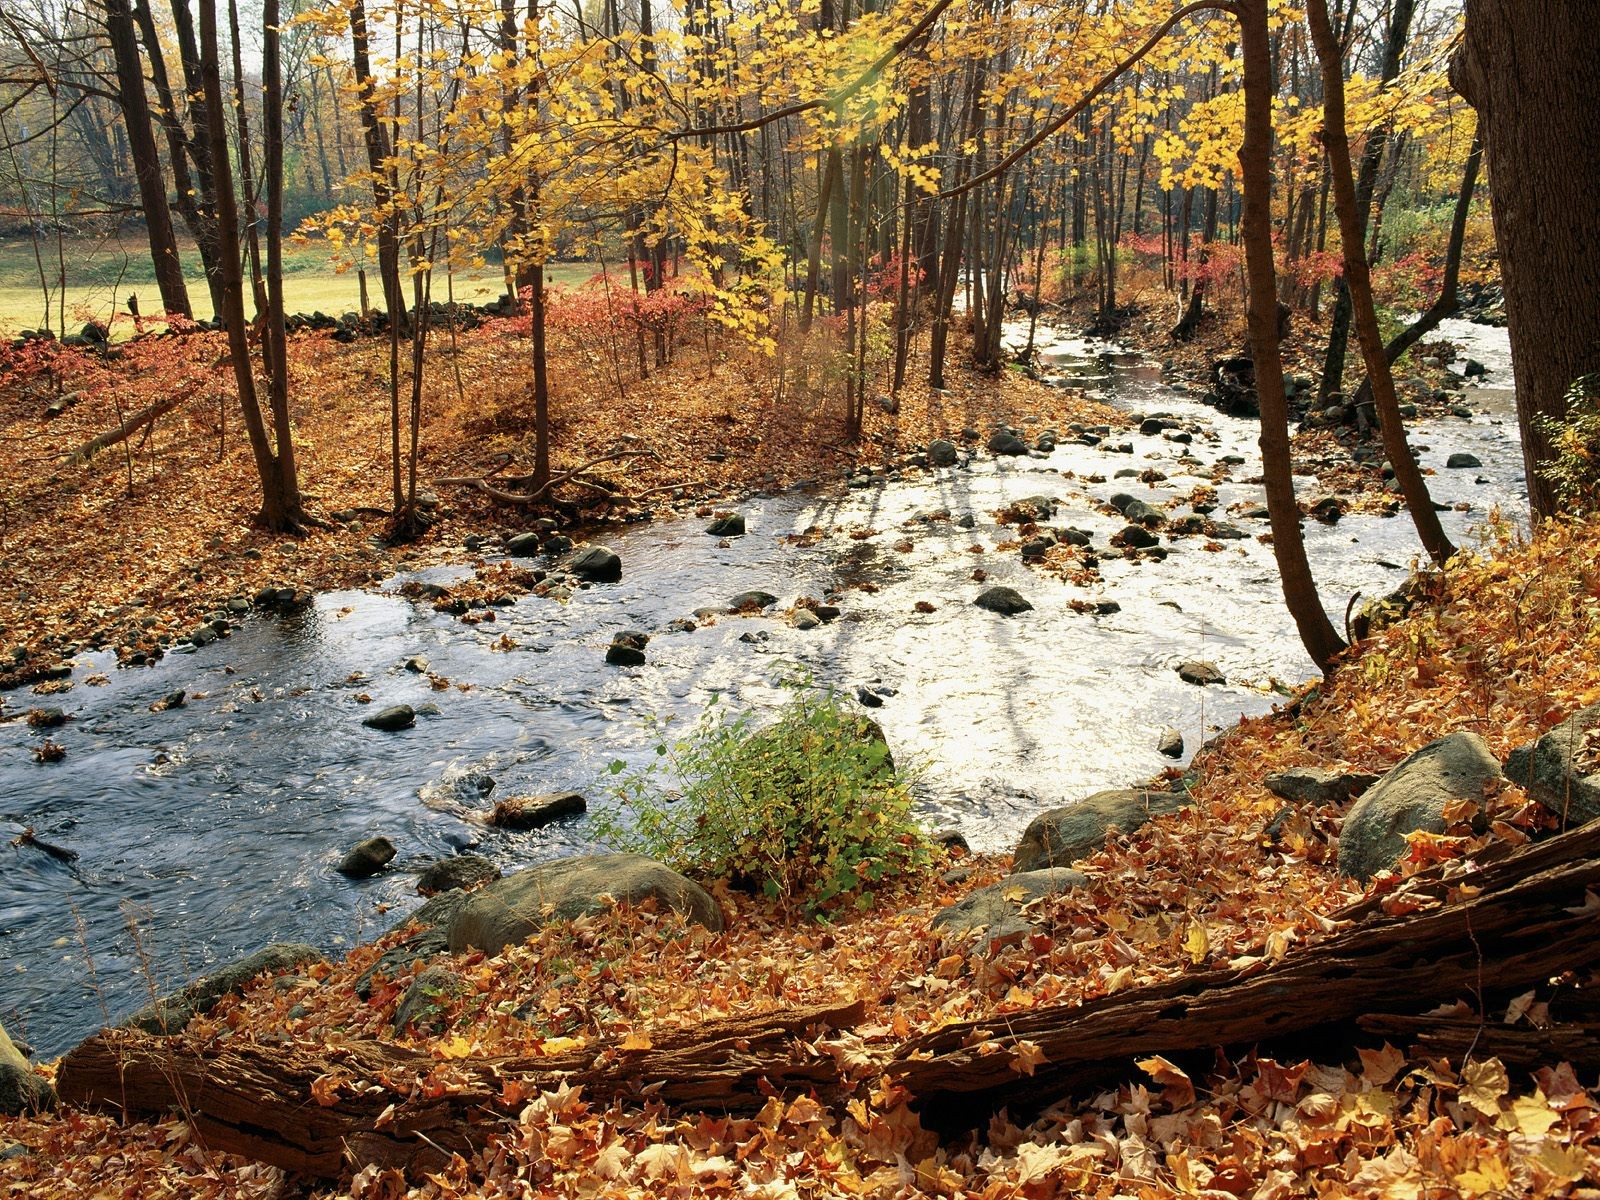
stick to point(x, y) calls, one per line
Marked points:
point(939, 598)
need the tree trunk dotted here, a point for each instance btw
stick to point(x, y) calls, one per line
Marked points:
point(1255, 163)
point(275, 514)
point(258, 1100)
point(377, 155)
point(146, 159)
point(1358, 280)
point(1529, 68)
point(1527, 921)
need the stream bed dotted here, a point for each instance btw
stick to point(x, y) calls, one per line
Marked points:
point(211, 829)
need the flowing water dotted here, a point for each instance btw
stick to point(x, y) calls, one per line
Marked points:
point(208, 830)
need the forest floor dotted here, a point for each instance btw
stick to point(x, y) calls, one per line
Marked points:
point(1504, 645)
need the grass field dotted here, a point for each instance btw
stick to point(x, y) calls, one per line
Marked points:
point(103, 271)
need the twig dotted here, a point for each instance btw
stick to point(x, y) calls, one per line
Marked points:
point(508, 497)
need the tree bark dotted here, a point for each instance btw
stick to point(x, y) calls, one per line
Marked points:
point(1358, 281)
point(1277, 468)
point(1529, 68)
point(146, 159)
point(258, 1100)
point(1528, 921)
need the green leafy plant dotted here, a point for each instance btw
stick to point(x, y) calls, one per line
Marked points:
point(1574, 471)
point(809, 807)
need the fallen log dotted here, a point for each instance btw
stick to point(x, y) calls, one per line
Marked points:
point(333, 1110)
point(506, 496)
point(1519, 1047)
point(145, 416)
point(1533, 917)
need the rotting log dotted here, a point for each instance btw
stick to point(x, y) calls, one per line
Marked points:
point(328, 1111)
point(1526, 919)
point(1519, 1047)
point(145, 416)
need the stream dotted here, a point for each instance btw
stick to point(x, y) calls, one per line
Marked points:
point(208, 830)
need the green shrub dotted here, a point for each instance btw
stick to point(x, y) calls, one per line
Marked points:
point(809, 807)
point(1574, 472)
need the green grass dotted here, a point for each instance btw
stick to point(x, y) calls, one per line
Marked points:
point(102, 272)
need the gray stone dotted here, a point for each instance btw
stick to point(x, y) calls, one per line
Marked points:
point(367, 858)
point(1033, 508)
point(392, 719)
point(1412, 797)
point(1004, 442)
point(1061, 836)
point(942, 453)
point(1170, 743)
point(1141, 513)
point(751, 600)
point(524, 545)
point(418, 664)
point(1006, 601)
point(21, 1091)
point(1562, 769)
point(535, 812)
point(621, 654)
point(1200, 673)
point(1001, 903)
point(510, 909)
point(1314, 785)
point(1136, 536)
point(597, 564)
point(804, 618)
point(1461, 459)
point(430, 992)
point(462, 871)
point(727, 525)
point(429, 939)
point(172, 1013)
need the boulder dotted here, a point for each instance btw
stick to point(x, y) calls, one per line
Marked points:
point(534, 812)
point(597, 564)
point(1033, 508)
point(524, 545)
point(727, 525)
point(942, 453)
point(1004, 442)
point(510, 909)
point(462, 871)
point(1141, 513)
point(1061, 836)
point(625, 654)
point(430, 923)
point(1562, 769)
point(1200, 673)
point(1006, 601)
point(1135, 536)
point(1317, 786)
point(751, 601)
point(1413, 797)
point(392, 719)
point(21, 1091)
point(1461, 459)
point(366, 858)
point(1170, 743)
point(805, 618)
point(171, 1013)
point(998, 907)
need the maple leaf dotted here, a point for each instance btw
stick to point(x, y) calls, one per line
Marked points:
point(1026, 1056)
point(1484, 1084)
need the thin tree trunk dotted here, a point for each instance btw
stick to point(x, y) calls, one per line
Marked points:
point(1358, 281)
point(1277, 468)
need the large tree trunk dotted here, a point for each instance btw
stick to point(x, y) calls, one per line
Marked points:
point(1358, 282)
point(1528, 919)
point(261, 1100)
point(1255, 163)
point(1530, 69)
point(146, 159)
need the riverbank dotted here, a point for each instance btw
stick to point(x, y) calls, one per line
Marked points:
point(1502, 646)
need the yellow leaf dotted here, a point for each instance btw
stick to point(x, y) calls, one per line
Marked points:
point(1533, 1115)
point(1483, 1084)
point(1027, 1057)
point(455, 1047)
point(1198, 943)
point(637, 1041)
point(559, 1045)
